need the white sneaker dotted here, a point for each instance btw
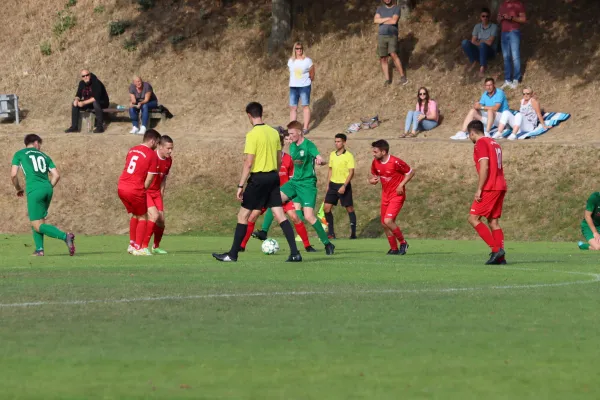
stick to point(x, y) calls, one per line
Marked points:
point(506, 85)
point(460, 135)
point(512, 136)
point(142, 130)
point(497, 135)
point(514, 84)
point(130, 249)
point(134, 130)
point(142, 252)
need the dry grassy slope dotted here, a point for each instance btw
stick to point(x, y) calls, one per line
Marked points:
point(209, 78)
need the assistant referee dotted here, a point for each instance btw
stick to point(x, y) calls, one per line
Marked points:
point(261, 171)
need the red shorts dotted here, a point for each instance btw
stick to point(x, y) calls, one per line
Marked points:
point(134, 201)
point(289, 206)
point(390, 208)
point(490, 205)
point(154, 199)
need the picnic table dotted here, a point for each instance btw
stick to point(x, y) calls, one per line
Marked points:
point(9, 106)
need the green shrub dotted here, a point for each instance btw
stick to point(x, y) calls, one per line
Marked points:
point(130, 44)
point(145, 5)
point(65, 22)
point(116, 28)
point(176, 39)
point(70, 3)
point(98, 10)
point(46, 48)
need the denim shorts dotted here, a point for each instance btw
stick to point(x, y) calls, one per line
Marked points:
point(300, 93)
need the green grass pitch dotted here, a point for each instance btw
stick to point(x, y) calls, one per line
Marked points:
point(434, 324)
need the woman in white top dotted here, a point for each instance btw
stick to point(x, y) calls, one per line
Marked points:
point(526, 120)
point(302, 73)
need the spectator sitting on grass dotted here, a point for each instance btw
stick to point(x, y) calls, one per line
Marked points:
point(526, 120)
point(387, 16)
point(91, 95)
point(143, 99)
point(489, 109)
point(424, 118)
point(483, 44)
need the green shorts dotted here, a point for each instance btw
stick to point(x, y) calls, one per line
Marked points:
point(386, 45)
point(586, 231)
point(38, 203)
point(304, 193)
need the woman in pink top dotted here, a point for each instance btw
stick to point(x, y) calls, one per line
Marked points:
point(424, 118)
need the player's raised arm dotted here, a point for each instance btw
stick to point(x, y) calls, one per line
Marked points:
point(14, 177)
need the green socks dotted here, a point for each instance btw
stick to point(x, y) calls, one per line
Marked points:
point(267, 220)
point(300, 215)
point(38, 239)
point(321, 232)
point(52, 231)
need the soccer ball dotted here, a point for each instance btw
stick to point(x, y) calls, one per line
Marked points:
point(270, 246)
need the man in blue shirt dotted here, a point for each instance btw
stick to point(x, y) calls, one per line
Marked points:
point(488, 109)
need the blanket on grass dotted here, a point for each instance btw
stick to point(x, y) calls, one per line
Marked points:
point(550, 119)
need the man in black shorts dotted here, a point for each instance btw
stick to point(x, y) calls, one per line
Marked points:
point(341, 172)
point(261, 171)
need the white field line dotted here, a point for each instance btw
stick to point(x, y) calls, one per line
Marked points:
point(595, 279)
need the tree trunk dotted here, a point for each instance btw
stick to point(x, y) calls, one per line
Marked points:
point(281, 24)
point(494, 6)
point(405, 8)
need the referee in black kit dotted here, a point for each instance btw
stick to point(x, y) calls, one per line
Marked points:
point(261, 170)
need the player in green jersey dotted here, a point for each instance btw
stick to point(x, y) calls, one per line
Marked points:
point(591, 223)
point(302, 188)
point(36, 167)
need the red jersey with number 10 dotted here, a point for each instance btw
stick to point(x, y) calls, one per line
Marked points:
point(487, 147)
point(287, 169)
point(164, 166)
point(390, 172)
point(141, 160)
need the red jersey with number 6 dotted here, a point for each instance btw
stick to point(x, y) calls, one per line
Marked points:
point(164, 166)
point(141, 160)
point(287, 169)
point(488, 148)
point(390, 173)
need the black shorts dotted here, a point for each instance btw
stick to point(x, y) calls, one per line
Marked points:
point(262, 191)
point(333, 196)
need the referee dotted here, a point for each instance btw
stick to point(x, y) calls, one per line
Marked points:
point(341, 172)
point(261, 170)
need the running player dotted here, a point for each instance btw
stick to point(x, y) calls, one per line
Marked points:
point(491, 188)
point(285, 173)
point(302, 188)
point(339, 187)
point(36, 166)
point(141, 165)
point(591, 223)
point(155, 196)
point(394, 174)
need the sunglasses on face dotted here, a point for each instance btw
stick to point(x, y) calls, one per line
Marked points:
point(298, 48)
point(422, 94)
point(526, 93)
point(485, 16)
point(85, 76)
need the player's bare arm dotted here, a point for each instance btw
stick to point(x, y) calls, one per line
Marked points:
point(592, 226)
point(54, 176)
point(374, 180)
point(328, 179)
point(279, 159)
point(484, 167)
point(407, 178)
point(248, 161)
point(148, 181)
point(14, 177)
point(319, 160)
point(163, 185)
point(342, 190)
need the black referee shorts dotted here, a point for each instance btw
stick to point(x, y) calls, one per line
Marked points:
point(262, 191)
point(333, 196)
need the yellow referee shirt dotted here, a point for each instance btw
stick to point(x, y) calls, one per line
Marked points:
point(263, 141)
point(340, 166)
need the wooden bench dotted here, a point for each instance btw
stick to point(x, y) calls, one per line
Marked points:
point(9, 106)
point(90, 116)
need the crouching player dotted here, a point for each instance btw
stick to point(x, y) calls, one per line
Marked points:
point(155, 195)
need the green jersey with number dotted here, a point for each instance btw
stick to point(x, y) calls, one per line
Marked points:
point(35, 166)
point(593, 206)
point(304, 156)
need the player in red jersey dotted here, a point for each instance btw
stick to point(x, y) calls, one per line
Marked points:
point(155, 196)
point(491, 188)
point(141, 166)
point(286, 171)
point(394, 174)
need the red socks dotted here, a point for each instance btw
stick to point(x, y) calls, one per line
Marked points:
point(484, 232)
point(301, 229)
point(249, 231)
point(158, 234)
point(149, 231)
point(498, 237)
point(140, 233)
point(133, 223)
point(393, 243)
point(398, 234)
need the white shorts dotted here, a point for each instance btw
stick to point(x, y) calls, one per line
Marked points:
point(524, 125)
point(484, 118)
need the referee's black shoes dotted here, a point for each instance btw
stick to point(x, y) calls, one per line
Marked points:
point(224, 257)
point(294, 258)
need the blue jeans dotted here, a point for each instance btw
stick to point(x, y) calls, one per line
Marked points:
point(483, 52)
point(134, 113)
point(511, 51)
point(423, 125)
point(300, 93)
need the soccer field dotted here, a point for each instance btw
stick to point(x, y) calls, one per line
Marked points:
point(434, 324)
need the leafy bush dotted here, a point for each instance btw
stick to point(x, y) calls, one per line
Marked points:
point(46, 48)
point(130, 44)
point(98, 10)
point(116, 28)
point(65, 22)
point(71, 3)
point(145, 5)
